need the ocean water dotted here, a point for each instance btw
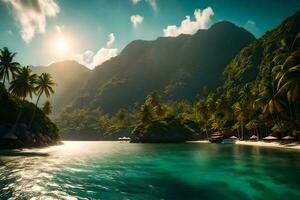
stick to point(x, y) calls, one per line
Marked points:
point(114, 170)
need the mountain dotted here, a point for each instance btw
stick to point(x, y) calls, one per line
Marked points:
point(69, 76)
point(176, 67)
point(255, 62)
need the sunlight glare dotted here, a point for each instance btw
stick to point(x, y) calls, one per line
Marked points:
point(61, 45)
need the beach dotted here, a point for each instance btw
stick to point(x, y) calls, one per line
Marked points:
point(294, 145)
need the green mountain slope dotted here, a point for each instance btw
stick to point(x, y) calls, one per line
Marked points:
point(177, 68)
point(256, 61)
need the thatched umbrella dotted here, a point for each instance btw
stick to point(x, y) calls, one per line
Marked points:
point(270, 138)
point(253, 137)
point(288, 138)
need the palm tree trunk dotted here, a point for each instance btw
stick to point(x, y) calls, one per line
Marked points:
point(291, 113)
point(257, 132)
point(296, 113)
point(34, 111)
point(206, 132)
point(242, 129)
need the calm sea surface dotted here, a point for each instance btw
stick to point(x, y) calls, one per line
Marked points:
point(114, 170)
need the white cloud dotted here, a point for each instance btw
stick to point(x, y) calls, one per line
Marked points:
point(31, 15)
point(136, 19)
point(59, 29)
point(92, 60)
point(251, 26)
point(202, 21)
point(153, 4)
point(135, 1)
point(111, 40)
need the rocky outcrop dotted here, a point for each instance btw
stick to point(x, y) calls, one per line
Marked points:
point(166, 131)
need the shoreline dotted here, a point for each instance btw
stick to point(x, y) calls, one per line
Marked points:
point(294, 145)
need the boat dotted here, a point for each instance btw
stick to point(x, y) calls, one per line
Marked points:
point(124, 139)
point(216, 137)
point(230, 140)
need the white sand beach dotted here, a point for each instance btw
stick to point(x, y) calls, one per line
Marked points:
point(295, 145)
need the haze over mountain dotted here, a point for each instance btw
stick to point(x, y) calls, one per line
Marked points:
point(69, 76)
point(176, 67)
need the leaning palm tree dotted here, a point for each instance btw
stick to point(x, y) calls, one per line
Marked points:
point(7, 65)
point(47, 108)
point(44, 85)
point(22, 86)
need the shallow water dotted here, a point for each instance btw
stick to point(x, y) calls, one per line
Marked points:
point(113, 170)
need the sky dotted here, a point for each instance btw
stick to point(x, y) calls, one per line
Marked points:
point(93, 31)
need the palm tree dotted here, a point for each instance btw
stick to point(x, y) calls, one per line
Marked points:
point(290, 82)
point(22, 86)
point(145, 114)
point(47, 108)
point(288, 73)
point(7, 66)
point(44, 85)
point(272, 102)
point(202, 114)
point(240, 116)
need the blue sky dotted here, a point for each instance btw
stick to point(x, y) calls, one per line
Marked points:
point(86, 26)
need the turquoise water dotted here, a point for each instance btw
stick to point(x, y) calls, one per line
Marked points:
point(113, 170)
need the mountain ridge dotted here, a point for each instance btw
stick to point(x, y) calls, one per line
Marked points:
point(139, 68)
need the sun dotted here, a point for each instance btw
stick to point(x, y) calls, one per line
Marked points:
point(61, 45)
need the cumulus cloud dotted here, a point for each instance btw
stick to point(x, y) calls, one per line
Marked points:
point(31, 15)
point(202, 21)
point(136, 19)
point(111, 40)
point(135, 1)
point(92, 60)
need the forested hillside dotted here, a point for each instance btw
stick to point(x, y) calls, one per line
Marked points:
point(177, 68)
point(259, 96)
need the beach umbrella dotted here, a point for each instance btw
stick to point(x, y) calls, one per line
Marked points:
point(253, 137)
point(233, 137)
point(270, 137)
point(288, 137)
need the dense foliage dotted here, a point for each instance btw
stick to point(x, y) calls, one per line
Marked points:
point(177, 68)
point(260, 96)
point(10, 108)
point(23, 124)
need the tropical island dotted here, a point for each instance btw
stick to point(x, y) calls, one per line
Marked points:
point(258, 96)
point(150, 99)
point(252, 94)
